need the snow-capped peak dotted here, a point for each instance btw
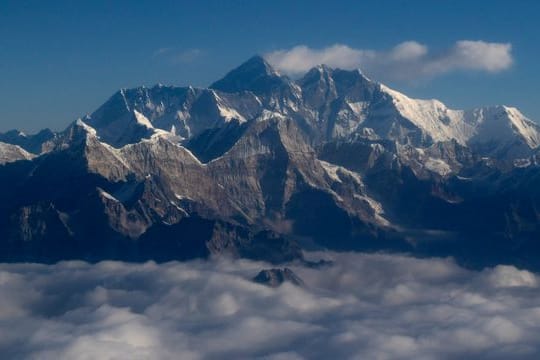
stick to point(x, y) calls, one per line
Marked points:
point(331, 103)
point(489, 124)
point(431, 116)
point(255, 75)
point(529, 130)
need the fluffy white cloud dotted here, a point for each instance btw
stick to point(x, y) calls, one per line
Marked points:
point(407, 60)
point(364, 306)
point(302, 58)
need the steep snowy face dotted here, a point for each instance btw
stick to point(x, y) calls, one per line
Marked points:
point(227, 112)
point(124, 118)
point(342, 104)
point(76, 134)
point(214, 110)
point(164, 106)
point(257, 78)
point(526, 128)
point(432, 117)
point(134, 114)
point(503, 132)
point(10, 153)
point(498, 131)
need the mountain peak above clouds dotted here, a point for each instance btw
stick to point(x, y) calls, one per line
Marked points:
point(259, 163)
point(255, 75)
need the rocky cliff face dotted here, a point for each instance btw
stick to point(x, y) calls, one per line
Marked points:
point(276, 277)
point(259, 165)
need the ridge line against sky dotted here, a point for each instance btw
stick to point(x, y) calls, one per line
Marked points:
point(60, 61)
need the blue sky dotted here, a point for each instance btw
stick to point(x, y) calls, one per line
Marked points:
point(62, 59)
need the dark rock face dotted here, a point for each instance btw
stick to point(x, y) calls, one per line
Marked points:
point(276, 277)
point(31, 143)
point(255, 75)
point(258, 164)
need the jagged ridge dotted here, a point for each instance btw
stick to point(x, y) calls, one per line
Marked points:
point(259, 162)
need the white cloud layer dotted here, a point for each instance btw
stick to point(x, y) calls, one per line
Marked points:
point(363, 307)
point(408, 60)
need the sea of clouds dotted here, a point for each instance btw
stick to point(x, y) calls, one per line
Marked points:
point(362, 307)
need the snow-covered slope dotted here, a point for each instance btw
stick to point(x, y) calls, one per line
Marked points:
point(495, 127)
point(343, 105)
point(503, 132)
point(328, 105)
point(432, 116)
point(10, 153)
point(134, 114)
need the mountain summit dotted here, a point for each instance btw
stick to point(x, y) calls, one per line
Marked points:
point(260, 166)
point(254, 75)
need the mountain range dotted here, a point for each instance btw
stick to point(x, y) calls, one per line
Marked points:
point(262, 166)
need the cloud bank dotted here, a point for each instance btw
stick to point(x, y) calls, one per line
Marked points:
point(408, 60)
point(363, 307)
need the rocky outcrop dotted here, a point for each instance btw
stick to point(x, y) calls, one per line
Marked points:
point(276, 277)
